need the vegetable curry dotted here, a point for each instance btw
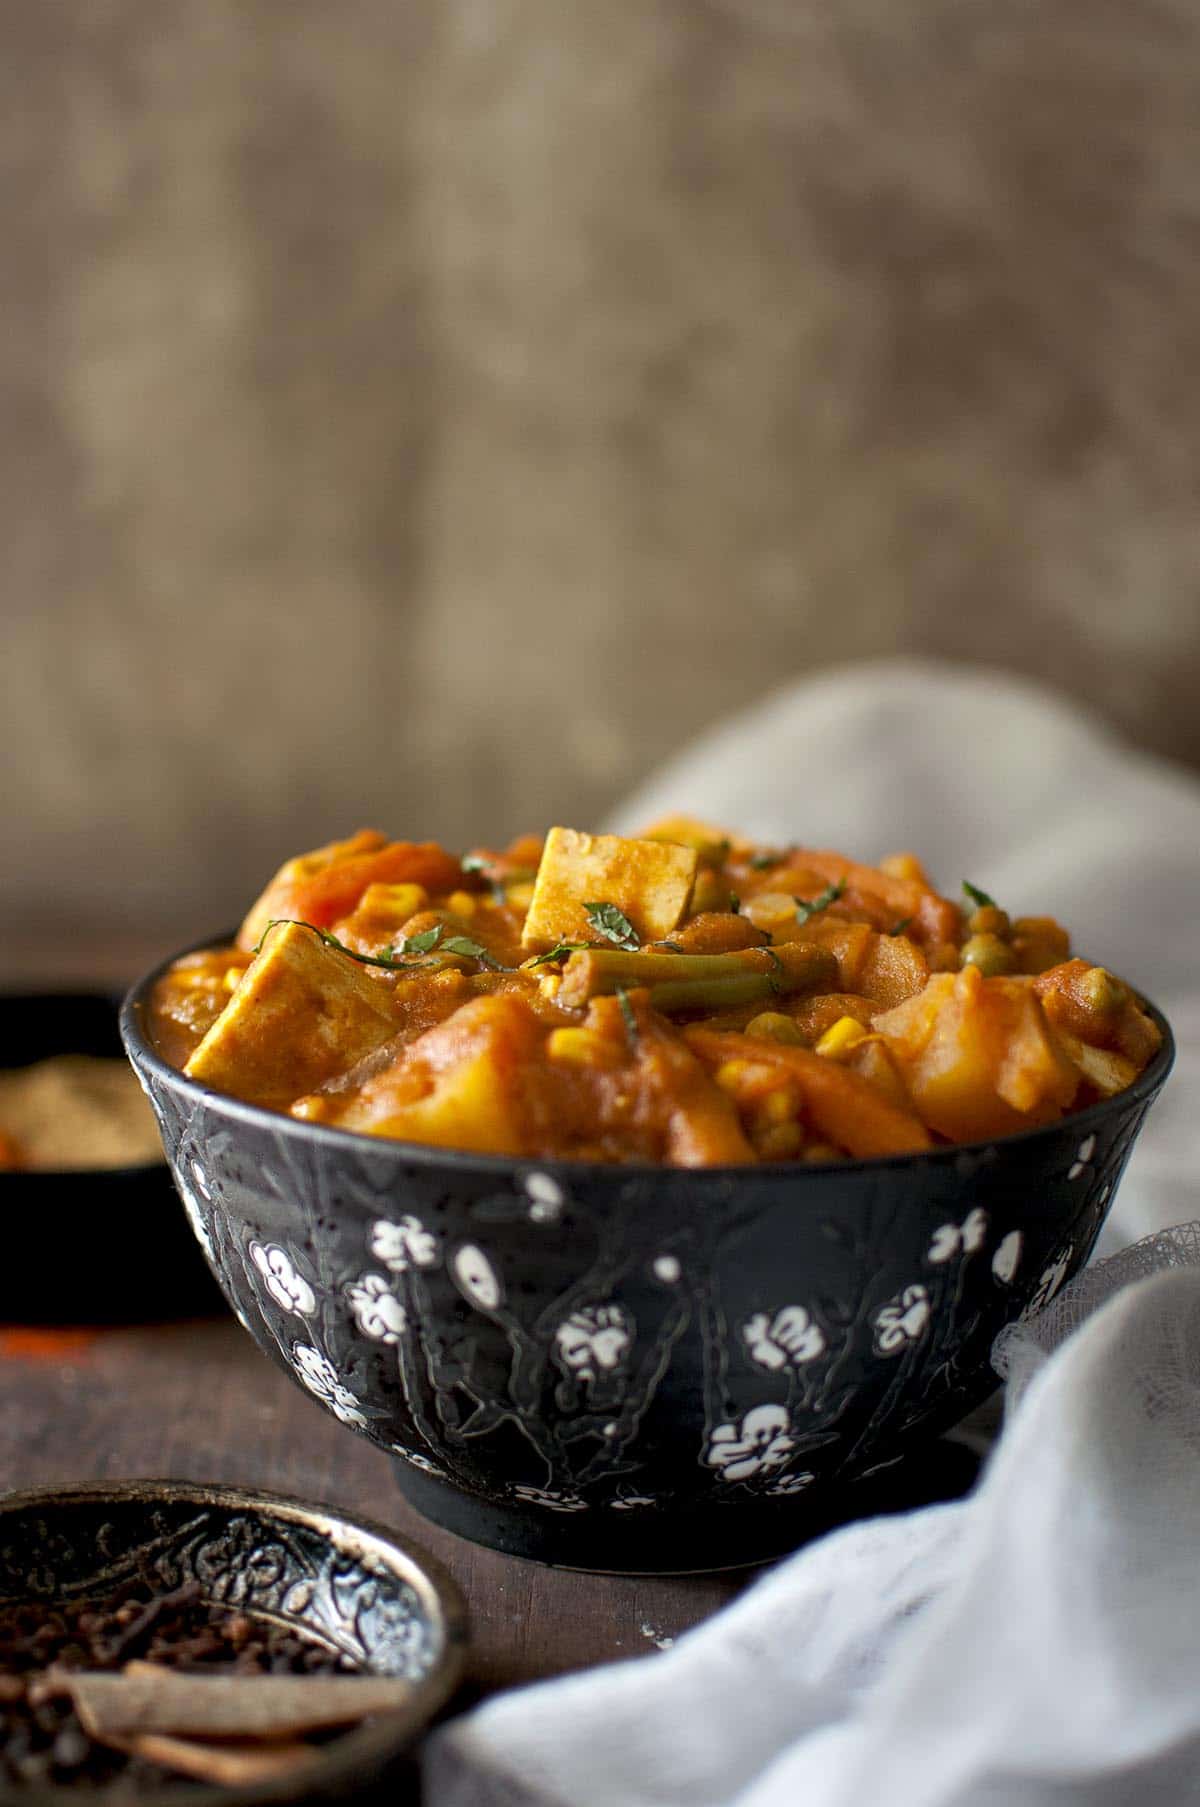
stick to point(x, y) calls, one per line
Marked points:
point(685, 997)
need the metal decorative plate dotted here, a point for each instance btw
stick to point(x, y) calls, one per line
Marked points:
point(391, 1610)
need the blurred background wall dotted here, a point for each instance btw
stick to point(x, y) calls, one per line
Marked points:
point(430, 412)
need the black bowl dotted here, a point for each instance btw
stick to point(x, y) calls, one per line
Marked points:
point(79, 1241)
point(349, 1586)
point(633, 1368)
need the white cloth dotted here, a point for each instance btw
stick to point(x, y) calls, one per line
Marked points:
point(1037, 1645)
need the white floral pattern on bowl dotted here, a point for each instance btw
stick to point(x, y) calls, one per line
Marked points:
point(319, 1375)
point(404, 1244)
point(1083, 1156)
point(758, 1444)
point(415, 1459)
point(593, 1340)
point(951, 1239)
point(377, 1311)
point(545, 1197)
point(1051, 1280)
point(902, 1321)
point(791, 1483)
point(790, 1338)
point(476, 1278)
point(550, 1498)
point(1007, 1258)
point(287, 1287)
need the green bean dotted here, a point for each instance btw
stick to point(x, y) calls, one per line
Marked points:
point(699, 981)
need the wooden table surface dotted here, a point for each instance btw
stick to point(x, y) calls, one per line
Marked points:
point(196, 1401)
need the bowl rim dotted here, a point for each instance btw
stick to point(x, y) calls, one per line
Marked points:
point(113, 1000)
point(365, 1746)
point(143, 1055)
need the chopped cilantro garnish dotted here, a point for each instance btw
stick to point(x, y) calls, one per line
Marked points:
point(806, 910)
point(613, 924)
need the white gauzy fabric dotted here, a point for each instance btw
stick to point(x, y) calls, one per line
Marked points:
point(1037, 1645)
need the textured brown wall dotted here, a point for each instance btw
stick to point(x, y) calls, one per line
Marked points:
point(430, 411)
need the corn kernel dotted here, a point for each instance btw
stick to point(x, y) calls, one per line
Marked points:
point(583, 1047)
point(821, 1151)
point(779, 1107)
point(520, 896)
point(731, 1075)
point(841, 1037)
point(462, 903)
point(392, 904)
point(233, 977)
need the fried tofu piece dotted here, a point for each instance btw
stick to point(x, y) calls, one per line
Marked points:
point(302, 1013)
point(650, 882)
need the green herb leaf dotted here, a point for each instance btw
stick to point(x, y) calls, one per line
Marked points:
point(423, 943)
point(474, 862)
point(735, 903)
point(385, 959)
point(627, 1011)
point(764, 859)
point(613, 924)
point(557, 953)
point(979, 898)
point(805, 911)
point(390, 957)
point(469, 950)
point(900, 927)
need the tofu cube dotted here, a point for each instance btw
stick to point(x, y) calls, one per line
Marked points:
point(302, 1013)
point(649, 881)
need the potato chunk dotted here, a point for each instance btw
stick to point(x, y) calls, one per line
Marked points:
point(302, 1013)
point(649, 881)
point(460, 1085)
point(979, 1056)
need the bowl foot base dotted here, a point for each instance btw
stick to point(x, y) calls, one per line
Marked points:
point(643, 1541)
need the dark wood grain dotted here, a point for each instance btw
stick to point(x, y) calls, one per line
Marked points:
point(197, 1401)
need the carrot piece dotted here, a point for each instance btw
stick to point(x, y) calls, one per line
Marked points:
point(844, 1108)
point(324, 886)
point(335, 892)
